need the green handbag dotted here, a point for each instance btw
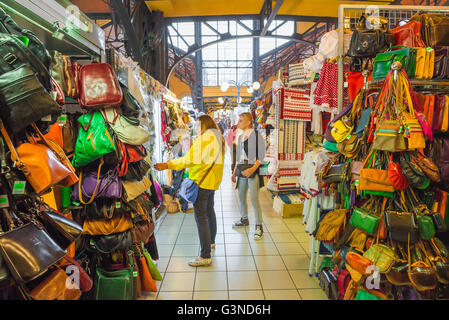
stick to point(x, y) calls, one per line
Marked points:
point(325, 263)
point(114, 284)
point(155, 274)
point(382, 256)
point(411, 64)
point(426, 227)
point(383, 61)
point(331, 146)
point(364, 295)
point(94, 139)
point(364, 220)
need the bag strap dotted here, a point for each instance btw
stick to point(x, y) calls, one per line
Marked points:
point(11, 147)
point(96, 186)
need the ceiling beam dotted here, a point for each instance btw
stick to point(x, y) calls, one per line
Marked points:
point(270, 19)
point(252, 17)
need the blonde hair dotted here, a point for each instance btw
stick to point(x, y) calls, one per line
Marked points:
point(248, 116)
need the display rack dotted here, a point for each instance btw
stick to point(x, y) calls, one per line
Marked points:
point(348, 16)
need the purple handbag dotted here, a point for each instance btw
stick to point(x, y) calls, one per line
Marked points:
point(97, 185)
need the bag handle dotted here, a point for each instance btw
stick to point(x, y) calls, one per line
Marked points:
point(13, 150)
point(96, 186)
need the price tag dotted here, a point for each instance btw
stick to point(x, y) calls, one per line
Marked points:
point(19, 187)
point(118, 205)
point(356, 183)
point(92, 242)
point(346, 84)
point(135, 274)
point(76, 203)
point(62, 120)
point(4, 203)
point(46, 118)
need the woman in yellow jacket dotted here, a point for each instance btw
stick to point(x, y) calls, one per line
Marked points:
point(205, 161)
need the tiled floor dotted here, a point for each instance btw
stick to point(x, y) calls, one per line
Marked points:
point(275, 267)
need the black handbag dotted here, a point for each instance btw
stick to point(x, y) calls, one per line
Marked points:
point(400, 224)
point(438, 221)
point(130, 108)
point(29, 251)
point(61, 229)
point(336, 174)
point(109, 243)
point(329, 284)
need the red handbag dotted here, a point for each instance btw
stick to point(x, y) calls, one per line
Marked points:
point(395, 175)
point(85, 282)
point(98, 86)
point(129, 154)
point(60, 97)
point(409, 35)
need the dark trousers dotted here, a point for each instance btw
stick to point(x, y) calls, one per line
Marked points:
point(206, 220)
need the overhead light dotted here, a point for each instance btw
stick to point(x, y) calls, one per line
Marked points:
point(256, 85)
point(224, 86)
point(250, 89)
point(220, 100)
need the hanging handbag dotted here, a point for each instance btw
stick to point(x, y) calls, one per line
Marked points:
point(382, 256)
point(85, 282)
point(142, 231)
point(441, 66)
point(130, 108)
point(329, 228)
point(155, 274)
point(97, 185)
point(364, 220)
point(400, 224)
point(367, 43)
point(429, 64)
point(395, 175)
point(54, 287)
point(350, 147)
point(383, 61)
point(107, 244)
point(98, 227)
point(421, 274)
point(29, 251)
point(341, 129)
point(434, 28)
point(57, 69)
point(69, 78)
point(94, 140)
point(358, 262)
point(409, 35)
point(336, 173)
point(420, 63)
point(114, 284)
point(125, 131)
point(38, 162)
point(426, 227)
point(426, 165)
point(133, 189)
point(415, 176)
point(61, 229)
point(374, 181)
point(363, 294)
point(98, 86)
point(147, 281)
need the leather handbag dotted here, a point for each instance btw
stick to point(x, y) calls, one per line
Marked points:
point(97, 185)
point(426, 165)
point(114, 284)
point(374, 181)
point(54, 287)
point(142, 231)
point(72, 178)
point(133, 189)
point(383, 61)
point(438, 221)
point(98, 227)
point(409, 35)
point(444, 160)
point(341, 129)
point(126, 132)
point(155, 274)
point(364, 220)
point(94, 140)
point(364, 294)
point(415, 175)
point(395, 175)
point(400, 225)
point(429, 64)
point(130, 108)
point(389, 136)
point(69, 78)
point(420, 63)
point(445, 122)
point(38, 162)
point(106, 244)
point(61, 229)
point(367, 43)
point(358, 262)
point(329, 228)
point(24, 99)
point(29, 251)
point(328, 282)
point(426, 227)
point(147, 281)
point(421, 274)
point(434, 28)
point(441, 67)
point(98, 86)
point(336, 173)
point(57, 69)
point(382, 256)
point(85, 282)
point(356, 166)
point(350, 147)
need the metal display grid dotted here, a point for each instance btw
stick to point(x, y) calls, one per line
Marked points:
point(348, 16)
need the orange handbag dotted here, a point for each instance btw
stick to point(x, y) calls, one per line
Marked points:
point(38, 162)
point(145, 275)
point(358, 262)
point(54, 287)
point(117, 224)
point(55, 134)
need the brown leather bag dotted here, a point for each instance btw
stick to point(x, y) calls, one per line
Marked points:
point(54, 287)
point(38, 162)
point(69, 77)
point(57, 69)
point(142, 231)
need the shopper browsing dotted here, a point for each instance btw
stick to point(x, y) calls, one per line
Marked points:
point(250, 154)
point(205, 162)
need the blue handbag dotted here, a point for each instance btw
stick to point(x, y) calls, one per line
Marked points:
point(189, 188)
point(364, 120)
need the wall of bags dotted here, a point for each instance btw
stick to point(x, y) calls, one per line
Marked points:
point(383, 163)
point(77, 185)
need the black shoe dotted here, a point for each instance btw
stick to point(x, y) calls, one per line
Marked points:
point(241, 223)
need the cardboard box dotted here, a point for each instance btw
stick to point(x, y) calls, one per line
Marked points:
point(287, 210)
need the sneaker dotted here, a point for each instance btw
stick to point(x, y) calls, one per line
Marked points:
point(241, 223)
point(258, 233)
point(212, 246)
point(200, 262)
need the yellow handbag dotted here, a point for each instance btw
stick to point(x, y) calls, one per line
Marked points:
point(382, 256)
point(429, 64)
point(414, 132)
point(445, 124)
point(355, 275)
point(134, 189)
point(341, 129)
point(420, 62)
point(98, 227)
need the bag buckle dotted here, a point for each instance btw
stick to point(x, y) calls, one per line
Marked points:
point(10, 58)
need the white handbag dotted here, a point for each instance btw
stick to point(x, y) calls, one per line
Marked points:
point(125, 131)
